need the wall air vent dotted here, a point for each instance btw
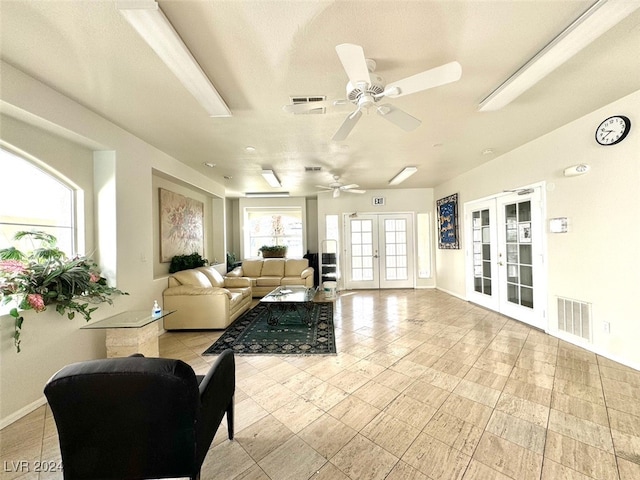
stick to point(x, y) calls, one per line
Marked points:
point(574, 317)
point(312, 169)
point(314, 111)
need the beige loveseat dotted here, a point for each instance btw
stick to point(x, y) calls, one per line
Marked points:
point(269, 273)
point(202, 299)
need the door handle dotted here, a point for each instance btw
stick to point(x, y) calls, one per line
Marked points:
point(500, 263)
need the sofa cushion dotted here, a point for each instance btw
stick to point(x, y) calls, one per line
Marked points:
point(244, 291)
point(193, 278)
point(268, 281)
point(213, 275)
point(236, 298)
point(294, 266)
point(297, 280)
point(273, 267)
point(252, 268)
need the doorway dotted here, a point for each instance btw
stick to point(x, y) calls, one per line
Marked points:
point(379, 251)
point(504, 247)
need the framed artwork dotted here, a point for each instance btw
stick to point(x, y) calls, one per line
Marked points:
point(447, 211)
point(181, 225)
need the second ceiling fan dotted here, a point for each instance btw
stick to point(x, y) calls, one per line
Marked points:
point(365, 89)
point(336, 187)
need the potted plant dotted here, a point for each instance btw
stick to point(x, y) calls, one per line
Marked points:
point(273, 251)
point(45, 276)
point(187, 262)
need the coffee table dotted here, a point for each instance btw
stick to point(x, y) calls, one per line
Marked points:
point(289, 298)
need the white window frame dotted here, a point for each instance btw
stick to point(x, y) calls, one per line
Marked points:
point(279, 239)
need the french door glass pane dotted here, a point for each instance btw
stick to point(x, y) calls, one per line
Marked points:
point(361, 250)
point(519, 253)
point(395, 249)
point(481, 251)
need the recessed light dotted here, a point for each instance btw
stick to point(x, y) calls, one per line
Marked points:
point(437, 145)
point(488, 151)
point(249, 148)
point(228, 177)
point(209, 164)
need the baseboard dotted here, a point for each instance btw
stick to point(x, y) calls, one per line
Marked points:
point(588, 346)
point(15, 416)
point(453, 294)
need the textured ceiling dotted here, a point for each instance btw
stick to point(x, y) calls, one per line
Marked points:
point(260, 53)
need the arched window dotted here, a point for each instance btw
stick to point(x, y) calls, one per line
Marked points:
point(273, 226)
point(33, 199)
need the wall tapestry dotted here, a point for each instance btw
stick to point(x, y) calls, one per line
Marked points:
point(181, 225)
point(448, 222)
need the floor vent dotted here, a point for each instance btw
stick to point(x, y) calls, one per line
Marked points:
point(574, 317)
point(313, 111)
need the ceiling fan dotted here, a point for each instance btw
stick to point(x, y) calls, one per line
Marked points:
point(365, 89)
point(337, 187)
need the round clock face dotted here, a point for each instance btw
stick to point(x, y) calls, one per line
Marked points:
point(613, 130)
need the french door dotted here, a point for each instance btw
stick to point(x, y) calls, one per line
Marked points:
point(505, 251)
point(379, 251)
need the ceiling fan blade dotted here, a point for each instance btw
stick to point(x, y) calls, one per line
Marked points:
point(398, 117)
point(354, 63)
point(336, 192)
point(303, 107)
point(447, 73)
point(352, 190)
point(324, 186)
point(351, 185)
point(347, 126)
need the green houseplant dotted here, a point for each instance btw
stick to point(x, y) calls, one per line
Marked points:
point(45, 276)
point(273, 251)
point(186, 262)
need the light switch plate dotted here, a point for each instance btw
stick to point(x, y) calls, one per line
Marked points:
point(558, 225)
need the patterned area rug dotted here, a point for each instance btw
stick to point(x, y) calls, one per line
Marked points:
point(252, 335)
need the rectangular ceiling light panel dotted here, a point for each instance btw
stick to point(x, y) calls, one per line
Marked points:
point(403, 175)
point(599, 18)
point(266, 194)
point(271, 178)
point(153, 26)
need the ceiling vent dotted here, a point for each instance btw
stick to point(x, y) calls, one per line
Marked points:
point(312, 169)
point(314, 111)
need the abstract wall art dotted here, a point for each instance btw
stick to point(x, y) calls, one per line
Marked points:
point(181, 225)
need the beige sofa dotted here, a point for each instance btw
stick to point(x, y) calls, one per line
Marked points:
point(269, 273)
point(204, 299)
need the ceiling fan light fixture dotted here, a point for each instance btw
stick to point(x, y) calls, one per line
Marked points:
point(403, 175)
point(266, 194)
point(596, 20)
point(146, 18)
point(271, 178)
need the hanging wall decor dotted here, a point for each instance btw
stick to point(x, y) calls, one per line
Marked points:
point(447, 211)
point(181, 225)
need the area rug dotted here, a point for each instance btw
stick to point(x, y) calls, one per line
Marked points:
point(251, 335)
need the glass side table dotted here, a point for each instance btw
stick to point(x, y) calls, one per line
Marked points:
point(131, 332)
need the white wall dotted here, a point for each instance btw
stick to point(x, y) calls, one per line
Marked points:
point(407, 200)
point(48, 339)
point(51, 341)
point(597, 260)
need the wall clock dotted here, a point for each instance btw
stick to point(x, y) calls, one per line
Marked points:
point(613, 130)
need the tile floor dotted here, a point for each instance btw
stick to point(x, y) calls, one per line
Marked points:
point(425, 386)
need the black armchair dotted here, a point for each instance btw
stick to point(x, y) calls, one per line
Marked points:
point(137, 417)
